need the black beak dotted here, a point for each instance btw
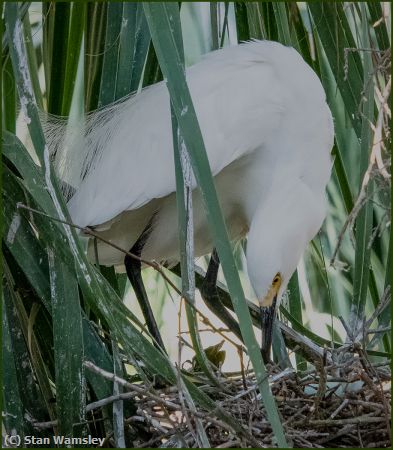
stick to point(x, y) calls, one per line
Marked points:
point(267, 320)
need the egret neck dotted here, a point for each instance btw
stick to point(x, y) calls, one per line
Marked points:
point(283, 224)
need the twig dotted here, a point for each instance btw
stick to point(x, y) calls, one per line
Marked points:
point(179, 382)
point(139, 390)
point(342, 406)
point(229, 444)
point(108, 400)
point(379, 392)
point(338, 422)
point(382, 304)
point(340, 433)
point(380, 330)
point(166, 403)
point(146, 418)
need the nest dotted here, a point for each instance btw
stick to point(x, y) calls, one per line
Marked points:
point(342, 404)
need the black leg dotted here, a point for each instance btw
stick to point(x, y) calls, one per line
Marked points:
point(134, 269)
point(211, 297)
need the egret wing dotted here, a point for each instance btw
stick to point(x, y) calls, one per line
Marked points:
point(239, 102)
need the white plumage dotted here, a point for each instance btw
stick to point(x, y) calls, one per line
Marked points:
point(268, 133)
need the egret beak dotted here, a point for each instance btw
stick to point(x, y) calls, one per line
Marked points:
point(268, 311)
point(267, 319)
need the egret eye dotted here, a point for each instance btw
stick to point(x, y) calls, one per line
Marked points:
point(277, 279)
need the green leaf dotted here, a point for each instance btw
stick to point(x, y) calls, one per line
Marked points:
point(280, 13)
point(333, 78)
point(141, 48)
point(68, 348)
point(105, 302)
point(160, 17)
point(364, 218)
point(183, 173)
point(254, 22)
point(74, 47)
point(242, 26)
point(152, 73)
point(12, 403)
point(331, 25)
point(111, 53)
point(214, 24)
point(94, 52)
point(23, 10)
point(33, 181)
point(9, 97)
point(269, 21)
point(295, 308)
point(31, 175)
point(36, 357)
point(127, 40)
point(96, 352)
point(376, 14)
point(20, 238)
point(224, 29)
point(58, 34)
point(118, 410)
point(342, 178)
point(27, 250)
point(32, 61)
point(384, 318)
point(24, 385)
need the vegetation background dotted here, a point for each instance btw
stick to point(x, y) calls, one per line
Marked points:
point(59, 310)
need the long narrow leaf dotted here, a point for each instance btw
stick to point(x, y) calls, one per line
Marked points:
point(183, 172)
point(32, 61)
point(68, 348)
point(111, 53)
point(94, 52)
point(333, 29)
point(58, 36)
point(9, 97)
point(127, 41)
point(12, 402)
point(364, 219)
point(159, 17)
point(36, 357)
point(77, 26)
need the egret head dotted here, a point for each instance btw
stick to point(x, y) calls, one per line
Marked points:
point(271, 261)
point(272, 292)
point(270, 265)
point(278, 235)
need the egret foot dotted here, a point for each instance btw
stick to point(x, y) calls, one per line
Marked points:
point(134, 273)
point(211, 297)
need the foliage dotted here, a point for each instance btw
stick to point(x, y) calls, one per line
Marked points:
point(60, 310)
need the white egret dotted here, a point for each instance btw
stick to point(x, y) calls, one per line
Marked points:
point(268, 133)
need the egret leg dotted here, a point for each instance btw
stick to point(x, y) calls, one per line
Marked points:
point(212, 299)
point(134, 273)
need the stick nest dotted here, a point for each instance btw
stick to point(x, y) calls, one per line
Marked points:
point(341, 404)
